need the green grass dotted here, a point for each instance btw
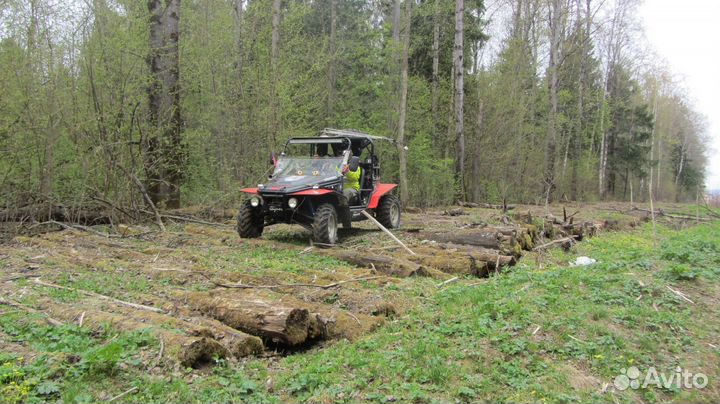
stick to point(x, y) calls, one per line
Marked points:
point(259, 260)
point(74, 364)
point(476, 342)
point(537, 333)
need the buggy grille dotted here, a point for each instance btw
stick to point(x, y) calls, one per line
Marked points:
point(274, 202)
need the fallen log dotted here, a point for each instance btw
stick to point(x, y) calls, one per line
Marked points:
point(393, 266)
point(285, 285)
point(279, 324)
point(457, 264)
point(237, 342)
point(99, 296)
point(492, 258)
point(565, 243)
point(44, 212)
point(481, 238)
point(454, 212)
point(526, 234)
point(485, 205)
point(672, 215)
point(493, 206)
point(187, 349)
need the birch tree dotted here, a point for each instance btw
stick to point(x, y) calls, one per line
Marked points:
point(164, 155)
point(403, 104)
point(459, 96)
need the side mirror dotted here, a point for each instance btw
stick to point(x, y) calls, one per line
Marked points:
point(273, 159)
point(354, 163)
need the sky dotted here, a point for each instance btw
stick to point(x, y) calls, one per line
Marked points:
point(687, 35)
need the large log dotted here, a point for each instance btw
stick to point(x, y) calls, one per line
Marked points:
point(486, 205)
point(279, 324)
point(478, 237)
point(493, 258)
point(191, 347)
point(393, 266)
point(526, 235)
point(457, 264)
point(237, 342)
point(45, 212)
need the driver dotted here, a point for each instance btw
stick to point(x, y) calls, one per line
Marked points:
point(351, 184)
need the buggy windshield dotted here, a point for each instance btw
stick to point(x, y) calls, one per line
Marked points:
point(306, 170)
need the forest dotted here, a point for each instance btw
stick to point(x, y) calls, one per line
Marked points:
point(527, 101)
point(555, 242)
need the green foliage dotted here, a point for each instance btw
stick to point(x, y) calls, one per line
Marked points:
point(431, 178)
point(74, 115)
point(681, 272)
point(585, 316)
point(71, 357)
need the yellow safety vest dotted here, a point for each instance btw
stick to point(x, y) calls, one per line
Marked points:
point(352, 179)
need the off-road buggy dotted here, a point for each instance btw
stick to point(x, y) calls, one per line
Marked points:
point(306, 187)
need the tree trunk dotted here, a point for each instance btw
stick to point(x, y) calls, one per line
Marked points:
point(449, 141)
point(331, 67)
point(453, 263)
point(658, 184)
point(391, 266)
point(403, 107)
point(237, 142)
point(603, 152)
point(492, 257)
point(52, 135)
point(271, 320)
point(396, 22)
point(436, 71)
point(480, 238)
point(679, 169)
point(577, 137)
point(551, 142)
point(274, 59)
point(191, 347)
point(164, 154)
point(458, 63)
point(651, 191)
point(394, 66)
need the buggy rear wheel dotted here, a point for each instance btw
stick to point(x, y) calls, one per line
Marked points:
point(388, 212)
point(325, 224)
point(250, 221)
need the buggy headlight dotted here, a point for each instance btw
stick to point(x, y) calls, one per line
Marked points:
point(292, 203)
point(254, 201)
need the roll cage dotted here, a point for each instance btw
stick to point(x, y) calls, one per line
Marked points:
point(341, 140)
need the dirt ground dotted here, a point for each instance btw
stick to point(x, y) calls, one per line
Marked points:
point(206, 293)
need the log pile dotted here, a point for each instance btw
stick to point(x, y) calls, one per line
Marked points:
point(48, 212)
point(194, 344)
point(492, 258)
point(506, 243)
point(286, 322)
point(389, 265)
point(477, 248)
point(504, 207)
point(276, 323)
point(450, 263)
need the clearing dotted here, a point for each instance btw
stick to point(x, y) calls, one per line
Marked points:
point(196, 314)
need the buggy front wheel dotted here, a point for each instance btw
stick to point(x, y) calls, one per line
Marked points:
point(250, 221)
point(325, 224)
